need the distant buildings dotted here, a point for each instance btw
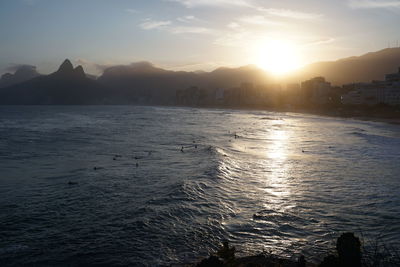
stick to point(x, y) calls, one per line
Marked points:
point(192, 96)
point(315, 92)
point(219, 95)
point(293, 94)
point(244, 95)
point(376, 92)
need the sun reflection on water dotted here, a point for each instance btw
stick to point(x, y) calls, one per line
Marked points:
point(276, 180)
point(277, 148)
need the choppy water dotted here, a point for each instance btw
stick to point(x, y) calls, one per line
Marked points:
point(288, 183)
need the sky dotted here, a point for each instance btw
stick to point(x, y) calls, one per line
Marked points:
point(191, 34)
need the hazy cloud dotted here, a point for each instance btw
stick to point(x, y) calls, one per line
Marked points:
point(197, 3)
point(93, 67)
point(154, 24)
point(247, 3)
point(233, 25)
point(15, 67)
point(288, 13)
point(132, 11)
point(189, 29)
point(320, 41)
point(374, 4)
point(188, 18)
point(258, 20)
point(175, 29)
point(235, 39)
point(198, 67)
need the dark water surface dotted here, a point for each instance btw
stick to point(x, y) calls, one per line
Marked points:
point(288, 183)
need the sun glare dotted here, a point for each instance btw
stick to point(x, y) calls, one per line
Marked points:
point(277, 57)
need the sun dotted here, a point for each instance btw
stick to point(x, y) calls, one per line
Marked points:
point(277, 57)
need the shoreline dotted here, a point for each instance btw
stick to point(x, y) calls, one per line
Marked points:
point(325, 113)
point(391, 118)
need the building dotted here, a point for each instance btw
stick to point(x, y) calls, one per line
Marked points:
point(352, 98)
point(316, 90)
point(293, 94)
point(392, 94)
point(368, 94)
point(393, 77)
point(219, 95)
point(191, 96)
point(376, 92)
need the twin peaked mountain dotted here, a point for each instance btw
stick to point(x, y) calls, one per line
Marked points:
point(67, 70)
point(68, 85)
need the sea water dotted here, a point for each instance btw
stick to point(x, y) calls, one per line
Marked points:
point(130, 185)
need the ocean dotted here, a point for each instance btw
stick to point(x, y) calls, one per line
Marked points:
point(151, 186)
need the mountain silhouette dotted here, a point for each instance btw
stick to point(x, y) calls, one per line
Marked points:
point(68, 85)
point(144, 83)
point(22, 73)
point(365, 68)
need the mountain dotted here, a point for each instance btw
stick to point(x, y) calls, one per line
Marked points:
point(232, 77)
point(142, 82)
point(365, 68)
point(22, 74)
point(68, 85)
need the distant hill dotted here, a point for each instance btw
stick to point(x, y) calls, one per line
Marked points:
point(144, 83)
point(68, 85)
point(365, 68)
point(22, 74)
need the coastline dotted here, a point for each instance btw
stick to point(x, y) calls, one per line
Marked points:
point(391, 117)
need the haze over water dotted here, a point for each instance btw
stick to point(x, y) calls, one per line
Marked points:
point(287, 183)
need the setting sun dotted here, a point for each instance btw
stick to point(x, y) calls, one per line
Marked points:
point(278, 57)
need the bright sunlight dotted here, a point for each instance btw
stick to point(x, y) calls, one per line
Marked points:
point(277, 56)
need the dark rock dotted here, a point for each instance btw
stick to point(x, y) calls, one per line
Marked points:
point(301, 262)
point(330, 261)
point(349, 250)
point(211, 261)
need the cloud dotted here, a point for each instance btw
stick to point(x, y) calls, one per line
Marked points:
point(154, 24)
point(374, 4)
point(247, 3)
point(15, 67)
point(258, 20)
point(93, 67)
point(197, 67)
point(132, 11)
point(233, 25)
point(197, 3)
point(320, 41)
point(188, 18)
point(189, 29)
point(287, 13)
point(178, 29)
point(236, 39)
